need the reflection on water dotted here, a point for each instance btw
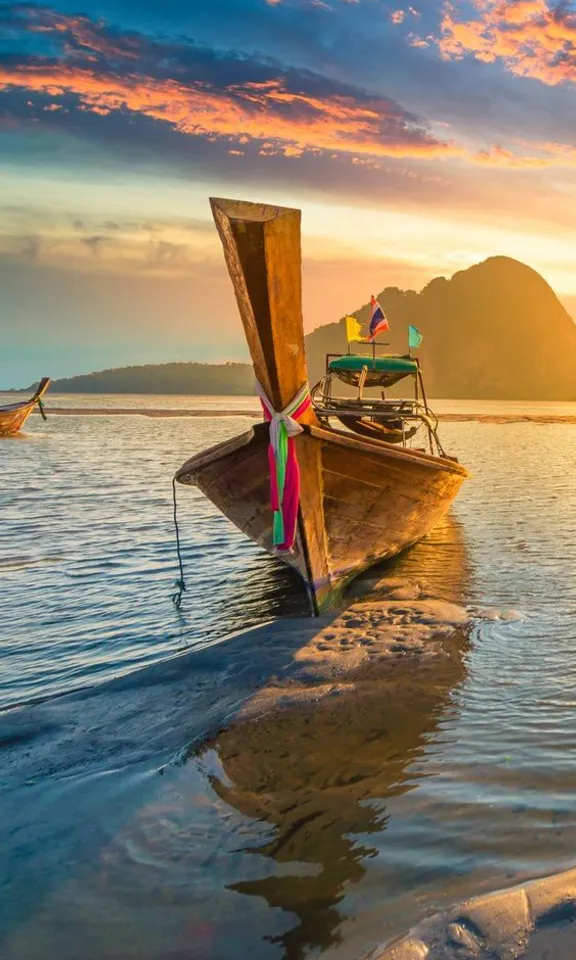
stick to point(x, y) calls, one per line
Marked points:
point(309, 833)
point(285, 811)
point(322, 775)
point(440, 563)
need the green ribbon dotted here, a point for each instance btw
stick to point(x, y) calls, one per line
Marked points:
point(281, 460)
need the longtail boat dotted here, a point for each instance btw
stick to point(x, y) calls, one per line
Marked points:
point(330, 501)
point(14, 415)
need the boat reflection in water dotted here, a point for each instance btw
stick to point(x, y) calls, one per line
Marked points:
point(259, 840)
point(322, 774)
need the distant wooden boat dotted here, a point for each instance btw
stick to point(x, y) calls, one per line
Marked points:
point(361, 499)
point(13, 415)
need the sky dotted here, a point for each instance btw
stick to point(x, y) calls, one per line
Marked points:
point(417, 139)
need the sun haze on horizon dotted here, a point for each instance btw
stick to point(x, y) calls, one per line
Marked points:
point(417, 139)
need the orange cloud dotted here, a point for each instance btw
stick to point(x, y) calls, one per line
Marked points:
point(78, 33)
point(540, 155)
point(298, 122)
point(532, 38)
point(289, 115)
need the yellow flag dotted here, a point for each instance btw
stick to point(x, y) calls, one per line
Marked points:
point(353, 330)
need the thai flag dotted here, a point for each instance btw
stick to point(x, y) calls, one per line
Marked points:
point(378, 321)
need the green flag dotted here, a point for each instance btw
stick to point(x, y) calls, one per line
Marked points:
point(414, 337)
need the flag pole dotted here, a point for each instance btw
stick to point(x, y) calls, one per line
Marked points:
point(374, 337)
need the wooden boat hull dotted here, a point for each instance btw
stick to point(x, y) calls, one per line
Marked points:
point(361, 499)
point(12, 420)
point(369, 499)
point(14, 415)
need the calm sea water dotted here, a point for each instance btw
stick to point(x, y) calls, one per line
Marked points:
point(126, 833)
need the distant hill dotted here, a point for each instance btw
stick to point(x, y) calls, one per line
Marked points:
point(201, 379)
point(494, 331)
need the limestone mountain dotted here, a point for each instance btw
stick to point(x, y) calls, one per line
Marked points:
point(494, 331)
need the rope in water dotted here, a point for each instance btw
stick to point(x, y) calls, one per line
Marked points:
point(180, 583)
point(41, 408)
point(284, 476)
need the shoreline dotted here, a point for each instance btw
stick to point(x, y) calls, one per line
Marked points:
point(256, 414)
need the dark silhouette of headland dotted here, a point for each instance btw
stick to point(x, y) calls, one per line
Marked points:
point(493, 331)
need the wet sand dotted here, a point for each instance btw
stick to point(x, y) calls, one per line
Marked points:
point(284, 665)
point(284, 706)
point(534, 921)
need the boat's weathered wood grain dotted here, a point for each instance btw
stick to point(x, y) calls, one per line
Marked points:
point(237, 481)
point(362, 499)
point(374, 503)
point(312, 520)
point(14, 415)
point(262, 251)
point(394, 452)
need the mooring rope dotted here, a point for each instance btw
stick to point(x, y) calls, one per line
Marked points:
point(41, 408)
point(180, 583)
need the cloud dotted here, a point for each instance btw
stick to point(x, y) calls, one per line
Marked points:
point(542, 155)
point(94, 244)
point(232, 98)
point(313, 3)
point(163, 90)
point(532, 38)
point(172, 246)
point(163, 253)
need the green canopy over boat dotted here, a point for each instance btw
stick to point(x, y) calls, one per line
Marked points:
point(381, 371)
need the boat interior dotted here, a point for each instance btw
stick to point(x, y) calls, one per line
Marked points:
point(407, 421)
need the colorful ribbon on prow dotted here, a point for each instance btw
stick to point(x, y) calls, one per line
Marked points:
point(284, 470)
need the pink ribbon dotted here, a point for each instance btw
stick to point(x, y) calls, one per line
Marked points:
point(283, 463)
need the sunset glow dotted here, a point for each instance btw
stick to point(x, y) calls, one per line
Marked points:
point(417, 139)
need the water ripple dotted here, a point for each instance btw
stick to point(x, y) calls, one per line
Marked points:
point(327, 833)
point(88, 561)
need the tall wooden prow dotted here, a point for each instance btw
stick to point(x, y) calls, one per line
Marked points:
point(263, 255)
point(40, 389)
point(262, 250)
point(360, 499)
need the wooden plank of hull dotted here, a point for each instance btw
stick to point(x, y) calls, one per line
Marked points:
point(376, 500)
point(14, 415)
point(262, 251)
point(12, 420)
point(235, 477)
point(361, 499)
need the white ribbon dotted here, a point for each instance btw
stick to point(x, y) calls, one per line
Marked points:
point(282, 416)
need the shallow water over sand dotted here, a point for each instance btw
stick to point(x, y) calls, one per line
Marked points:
point(142, 819)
